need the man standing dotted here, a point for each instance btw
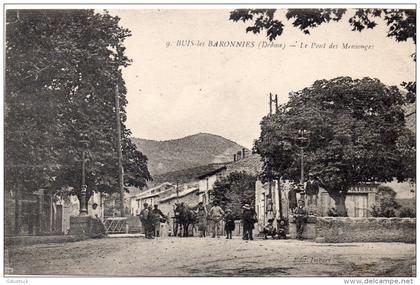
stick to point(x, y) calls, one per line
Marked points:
point(157, 214)
point(150, 222)
point(216, 215)
point(248, 219)
point(312, 189)
point(291, 196)
point(300, 218)
point(144, 219)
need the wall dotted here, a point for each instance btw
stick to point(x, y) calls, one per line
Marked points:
point(309, 231)
point(206, 184)
point(261, 192)
point(9, 214)
point(329, 229)
point(30, 214)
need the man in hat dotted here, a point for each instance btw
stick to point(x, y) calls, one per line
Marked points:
point(216, 215)
point(312, 189)
point(248, 219)
point(157, 215)
point(229, 223)
point(144, 219)
point(301, 215)
point(269, 229)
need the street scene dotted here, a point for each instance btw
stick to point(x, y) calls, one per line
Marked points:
point(215, 258)
point(217, 142)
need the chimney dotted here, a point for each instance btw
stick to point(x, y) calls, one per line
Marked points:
point(243, 152)
point(238, 155)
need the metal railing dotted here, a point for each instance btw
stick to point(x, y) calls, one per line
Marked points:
point(116, 225)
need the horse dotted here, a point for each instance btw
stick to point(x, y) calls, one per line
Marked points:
point(184, 217)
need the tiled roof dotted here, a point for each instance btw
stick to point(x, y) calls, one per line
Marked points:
point(210, 173)
point(180, 194)
point(251, 164)
point(155, 191)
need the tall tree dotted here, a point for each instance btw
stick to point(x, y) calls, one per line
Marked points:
point(356, 134)
point(62, 67)
point(401, 24)
point(234, 191)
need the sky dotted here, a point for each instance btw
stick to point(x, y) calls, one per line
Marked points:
point(175, 91)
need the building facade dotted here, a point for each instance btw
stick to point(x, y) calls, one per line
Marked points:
point(150, 196)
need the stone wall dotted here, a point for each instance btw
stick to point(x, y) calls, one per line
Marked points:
point(309, 231)
point(341, 229)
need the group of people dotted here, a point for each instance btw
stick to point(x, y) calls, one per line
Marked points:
point(216, 215)
point(300, 215)
point(270, 230)
point(150, 219)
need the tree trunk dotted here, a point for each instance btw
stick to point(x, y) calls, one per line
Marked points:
point(340, 206)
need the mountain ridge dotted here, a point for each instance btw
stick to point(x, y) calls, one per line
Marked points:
point(187, 152)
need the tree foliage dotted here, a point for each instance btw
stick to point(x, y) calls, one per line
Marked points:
point(356, 134)
point(387, 205)
point(235, 190)
point(62, 67)
point(407, 212)
point(401, 24)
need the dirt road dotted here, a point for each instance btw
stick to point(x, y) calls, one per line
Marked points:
point(212, 257)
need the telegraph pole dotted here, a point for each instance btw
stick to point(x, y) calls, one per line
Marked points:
point(277, 103)
point(274, 99)
point(119, 151)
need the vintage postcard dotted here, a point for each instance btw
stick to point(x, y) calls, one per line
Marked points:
point(210, 141)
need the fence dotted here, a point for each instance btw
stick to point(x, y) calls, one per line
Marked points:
point(116, 225)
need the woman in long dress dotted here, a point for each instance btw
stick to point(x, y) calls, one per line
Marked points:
point(202, 219)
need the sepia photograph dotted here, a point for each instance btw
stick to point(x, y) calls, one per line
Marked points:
point(210, 141)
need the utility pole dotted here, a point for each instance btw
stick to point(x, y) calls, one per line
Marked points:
point(303, 141)
point(84, 143)
point(277, 103)
point(302, 176)
point(119, 151)
point(270, 195)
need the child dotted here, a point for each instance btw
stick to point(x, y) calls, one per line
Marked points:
point(230, 224)
point(269, 229)
point(281, 229)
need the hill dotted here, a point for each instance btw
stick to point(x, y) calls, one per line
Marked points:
point(184, 175)
point(188, 152)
